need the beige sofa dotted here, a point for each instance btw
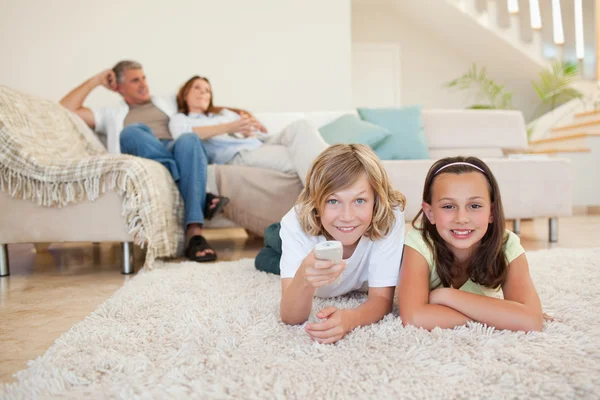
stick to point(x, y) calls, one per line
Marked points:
point(59, 184)
point(531, 188)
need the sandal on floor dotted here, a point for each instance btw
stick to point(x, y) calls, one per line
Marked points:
point(197, 244)
point(209, 212)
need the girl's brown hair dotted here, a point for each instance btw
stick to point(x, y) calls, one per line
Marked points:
point(338, 167)
point(488, 265)
point(182, 105)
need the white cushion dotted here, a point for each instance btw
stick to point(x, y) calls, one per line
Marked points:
point(480, 152)
point(320, 118)
point(475, 128)
point(275, 122)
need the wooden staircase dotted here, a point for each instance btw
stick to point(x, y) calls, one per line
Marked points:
point(588, 116)
point(578, 140)
point(576, 137)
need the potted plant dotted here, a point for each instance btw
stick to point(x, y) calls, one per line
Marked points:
point(554, 85)
point(488, 93)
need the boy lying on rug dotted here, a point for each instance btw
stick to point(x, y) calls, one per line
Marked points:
point(347, 198)
point(460, 241)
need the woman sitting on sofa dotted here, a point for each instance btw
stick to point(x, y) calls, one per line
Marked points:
point(239, 138)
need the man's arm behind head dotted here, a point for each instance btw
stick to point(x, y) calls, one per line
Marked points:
point(75, 98)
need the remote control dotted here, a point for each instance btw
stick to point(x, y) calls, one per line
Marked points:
point(330, 250)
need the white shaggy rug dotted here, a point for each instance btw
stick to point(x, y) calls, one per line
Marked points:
point(213, 331)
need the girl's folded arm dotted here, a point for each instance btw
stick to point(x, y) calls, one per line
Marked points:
point(520, 310)
point(413, 296)
point(378, 305)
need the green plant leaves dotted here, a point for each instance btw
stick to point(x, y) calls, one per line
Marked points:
point(554, 85)
point(488, 93)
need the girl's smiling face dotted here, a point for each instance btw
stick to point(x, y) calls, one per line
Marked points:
point(460, 209)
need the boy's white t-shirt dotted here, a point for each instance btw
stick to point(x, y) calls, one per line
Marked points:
point(373, 263)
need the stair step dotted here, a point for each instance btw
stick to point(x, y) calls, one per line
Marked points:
point(560, 150)
point(587, 114)
point(575, 142)
point(564, 138)
point(591, 126)
point(584, 116)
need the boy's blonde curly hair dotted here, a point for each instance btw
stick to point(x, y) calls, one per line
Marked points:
point(337, 168)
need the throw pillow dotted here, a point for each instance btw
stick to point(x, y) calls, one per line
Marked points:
point(407, 140)
point(351, 129)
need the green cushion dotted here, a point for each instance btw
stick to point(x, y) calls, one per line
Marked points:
point(407, 141)
point(351, 129)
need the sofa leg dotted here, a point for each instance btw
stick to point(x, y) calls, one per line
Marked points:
point(4, 270)
point(517, 226)
point(553, 230)
point(127, 248)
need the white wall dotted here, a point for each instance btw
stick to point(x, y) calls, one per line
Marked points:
point(440, 43)
point(426, 62)
point(262, 55)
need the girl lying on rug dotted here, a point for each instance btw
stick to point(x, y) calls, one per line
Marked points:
point(347, 198)
point(459, 256)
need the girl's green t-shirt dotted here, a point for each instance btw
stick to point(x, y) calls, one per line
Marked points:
point(512, 250)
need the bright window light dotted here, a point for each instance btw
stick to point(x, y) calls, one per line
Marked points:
point(513, 6)
point(536, 18)
point(557, 24)
point(579, 29)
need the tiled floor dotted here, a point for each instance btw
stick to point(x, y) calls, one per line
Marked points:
point(52, 287)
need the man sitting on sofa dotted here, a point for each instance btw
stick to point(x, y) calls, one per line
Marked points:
point(139, 126)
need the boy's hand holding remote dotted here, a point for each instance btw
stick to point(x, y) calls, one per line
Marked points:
point(337, 321)
point(319, 273)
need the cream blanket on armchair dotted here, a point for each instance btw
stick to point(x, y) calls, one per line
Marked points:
point(49, 156)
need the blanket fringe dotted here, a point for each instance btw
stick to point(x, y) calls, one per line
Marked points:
point(60, 194)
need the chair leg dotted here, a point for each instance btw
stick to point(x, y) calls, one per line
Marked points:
point(553, 230)
point(517, 226)
point(127, 248)
point(4, 270)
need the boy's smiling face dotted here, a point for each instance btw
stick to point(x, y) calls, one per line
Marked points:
point(348, 213)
